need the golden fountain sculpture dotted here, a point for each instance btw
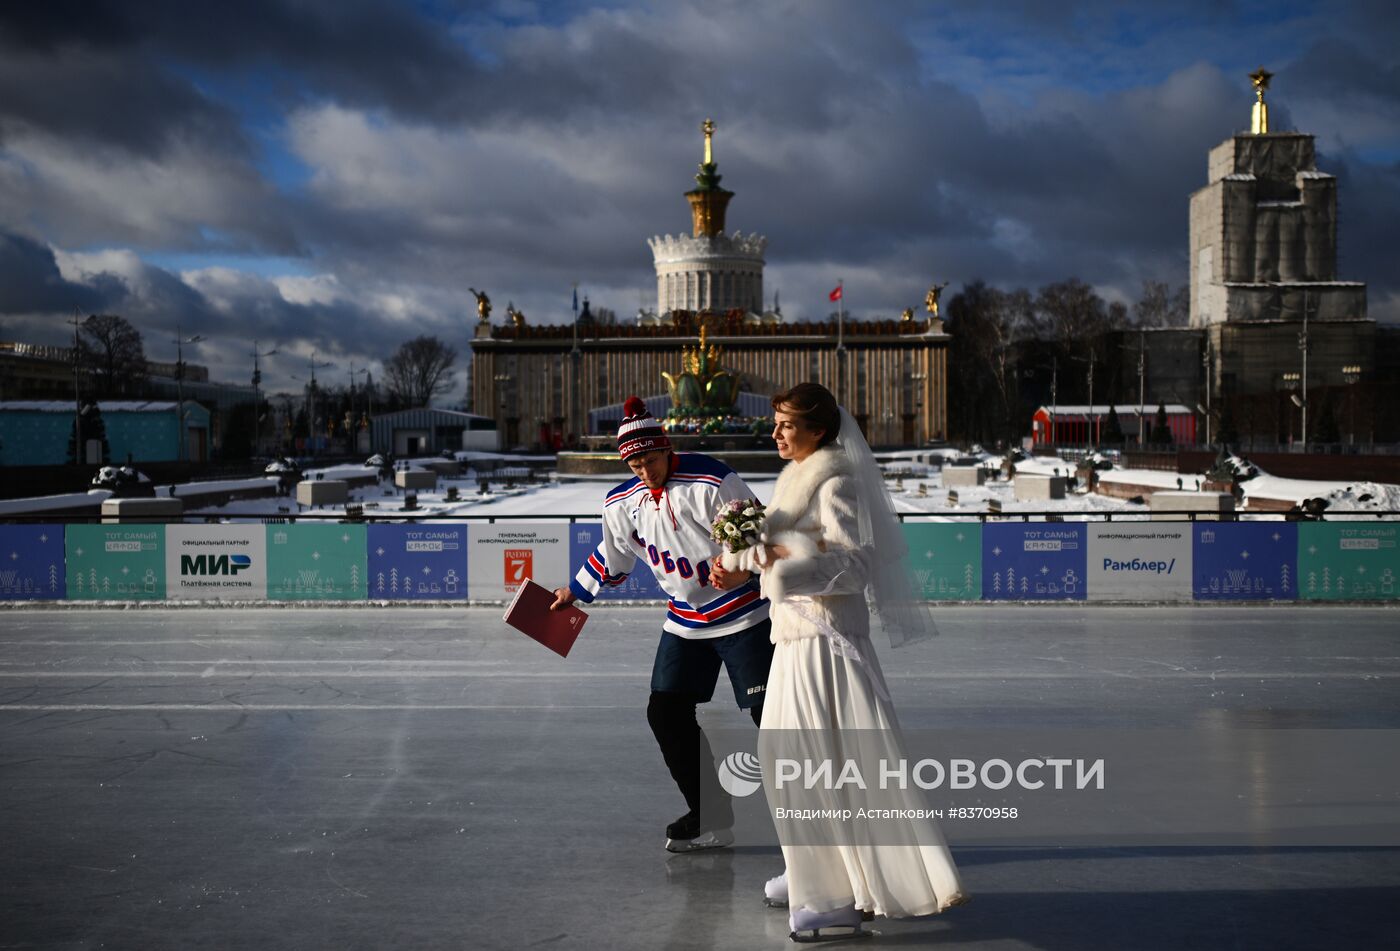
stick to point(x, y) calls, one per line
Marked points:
point(702, 387)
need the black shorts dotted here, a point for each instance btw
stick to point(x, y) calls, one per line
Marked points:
point(691, 667)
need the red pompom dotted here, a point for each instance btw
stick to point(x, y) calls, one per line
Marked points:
point(633, 408)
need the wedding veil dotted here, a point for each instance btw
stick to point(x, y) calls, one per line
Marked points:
point(894, 605)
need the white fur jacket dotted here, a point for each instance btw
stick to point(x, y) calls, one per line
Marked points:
point(822, 581)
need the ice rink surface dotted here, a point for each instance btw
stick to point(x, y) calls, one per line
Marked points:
point(425, 778)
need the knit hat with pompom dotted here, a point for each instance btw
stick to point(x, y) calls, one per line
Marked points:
point(640, 431)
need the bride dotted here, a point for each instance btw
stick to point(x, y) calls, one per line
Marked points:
point(831, 538)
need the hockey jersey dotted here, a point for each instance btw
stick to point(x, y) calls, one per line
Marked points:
point(670, 533)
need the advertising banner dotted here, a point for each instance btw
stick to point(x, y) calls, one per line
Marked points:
point(640, 584)
point(1033, 561)
point(115, 562)
point(503, 555)
point(946, 559)
point(31, 563)
point(216, 562)
point(1245, 561)
point(315, 562)
point(1348, 561)
point(420, 562)
point(1139, 561)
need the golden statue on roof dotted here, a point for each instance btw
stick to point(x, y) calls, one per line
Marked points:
point(483, 304)
point(1259, 123)
point(931, 298)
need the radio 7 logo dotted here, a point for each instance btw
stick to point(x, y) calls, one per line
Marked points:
point(519, 565)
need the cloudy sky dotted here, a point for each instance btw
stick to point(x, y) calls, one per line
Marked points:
point(332, 176)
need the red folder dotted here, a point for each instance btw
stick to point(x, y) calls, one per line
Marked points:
point(529, 613)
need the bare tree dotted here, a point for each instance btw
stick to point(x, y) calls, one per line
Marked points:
point(1159, 306)
point(420, 370)
point(112, 352)
point(987, 325)
point(1009, 318)
point(1071, 313)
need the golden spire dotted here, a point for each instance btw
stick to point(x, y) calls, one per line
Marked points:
point(1260, 121)
point(708, 201)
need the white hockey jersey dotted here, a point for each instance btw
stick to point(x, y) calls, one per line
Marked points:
point(670, 533)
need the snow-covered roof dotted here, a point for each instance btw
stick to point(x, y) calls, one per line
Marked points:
point(456, 414)
point(1101, 409)
point(106, 406)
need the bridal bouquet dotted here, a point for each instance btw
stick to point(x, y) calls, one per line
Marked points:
point(738, 524)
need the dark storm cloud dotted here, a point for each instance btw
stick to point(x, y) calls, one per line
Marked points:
point(101, 100)
point(374, 52)
point(30, 281)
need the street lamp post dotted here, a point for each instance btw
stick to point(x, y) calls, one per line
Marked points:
point(180, 342)
point(503, 381)
point(1290, 383)
point(1207, 368)
point(1090, 419)
point(311, 399)
point(1303, 346)
point(1142, 382)
point(918, 380)
point(350, 430)
point(1351, 373)
point(79, 449)
point(257, 402)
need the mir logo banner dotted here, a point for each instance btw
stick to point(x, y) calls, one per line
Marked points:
point(216, 562)
point(206, 565)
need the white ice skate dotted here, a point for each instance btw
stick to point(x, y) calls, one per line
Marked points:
point(813, 926)
point(775, 892)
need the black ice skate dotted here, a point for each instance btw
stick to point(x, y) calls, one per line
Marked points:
point(686, 835)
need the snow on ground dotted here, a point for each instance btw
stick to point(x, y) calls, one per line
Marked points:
point(1370, 496)
point(584, 498)
point(1155, 478)
point(1046, 465)
point(227, 485)
point(342, 472)
point(1346, 496)
point(51, 503)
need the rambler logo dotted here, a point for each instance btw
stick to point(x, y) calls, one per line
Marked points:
point(214, 564)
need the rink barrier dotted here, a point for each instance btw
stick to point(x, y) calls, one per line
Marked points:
point(970, 558)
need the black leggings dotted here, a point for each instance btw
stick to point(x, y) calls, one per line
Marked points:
point(684, 747)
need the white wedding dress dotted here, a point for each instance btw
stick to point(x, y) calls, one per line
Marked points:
point(825, 680)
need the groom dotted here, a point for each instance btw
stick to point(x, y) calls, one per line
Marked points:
point(662, 515)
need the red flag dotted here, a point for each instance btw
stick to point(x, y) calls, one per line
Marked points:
point(836, 294)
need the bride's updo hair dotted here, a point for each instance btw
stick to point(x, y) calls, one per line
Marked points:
point(815, 406)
